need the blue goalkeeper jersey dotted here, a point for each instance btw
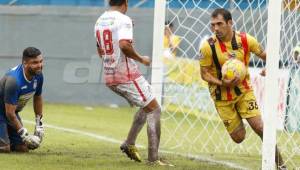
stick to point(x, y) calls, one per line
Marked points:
point(15, 89)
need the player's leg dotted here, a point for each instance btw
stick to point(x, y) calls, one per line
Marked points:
point(4, 139)
point(248, 109)
point(138, 123)
point(153, 111)
point(139, 119)
point(238, 134)
point(16, 143)
point(231, 119)
point(139, 93)
point(145, 99)
point(128, 146)
point(256, 124)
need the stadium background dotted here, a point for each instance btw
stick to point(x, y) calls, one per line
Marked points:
point(63, 30)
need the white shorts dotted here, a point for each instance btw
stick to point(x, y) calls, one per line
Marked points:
point(137, 92)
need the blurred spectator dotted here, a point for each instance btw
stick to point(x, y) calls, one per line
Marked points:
point(171, 41)
point(296, 55)
point(292, 117)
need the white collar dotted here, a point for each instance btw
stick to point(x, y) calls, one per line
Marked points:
point(25, 75)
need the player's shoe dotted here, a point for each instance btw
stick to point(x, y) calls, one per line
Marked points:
point(131, 151)
point(160, 162)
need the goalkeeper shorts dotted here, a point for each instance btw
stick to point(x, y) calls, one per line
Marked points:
point(232, 112)
point(137, 92)
point(8, 134)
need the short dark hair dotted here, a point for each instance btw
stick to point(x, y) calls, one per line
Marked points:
point(169, 23)
point(221, 11)
point(116, 2)
point(30, 52)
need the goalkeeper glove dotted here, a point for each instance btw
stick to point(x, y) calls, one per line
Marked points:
point(31, 141)
point(39, 128)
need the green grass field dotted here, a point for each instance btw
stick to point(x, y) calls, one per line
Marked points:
point(78, 137)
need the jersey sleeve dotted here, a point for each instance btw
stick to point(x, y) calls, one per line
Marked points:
point(39, 87)
point(205, 55)
point(254, 46)
point(125, 31)
point(11, 91)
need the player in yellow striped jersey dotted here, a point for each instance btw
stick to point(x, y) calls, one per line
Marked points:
point(234, 99)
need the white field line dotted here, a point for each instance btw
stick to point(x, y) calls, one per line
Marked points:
point(115, 141)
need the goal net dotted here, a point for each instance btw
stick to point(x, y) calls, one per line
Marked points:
point(191, 125)
point(288, 137)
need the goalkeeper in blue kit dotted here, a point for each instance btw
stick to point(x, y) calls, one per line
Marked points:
point(17, 87)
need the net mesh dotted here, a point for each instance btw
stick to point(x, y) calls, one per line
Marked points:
point(288, 136)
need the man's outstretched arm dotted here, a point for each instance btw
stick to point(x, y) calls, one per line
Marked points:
point(262, 56)
point(206, 76)
point(129, 51)
point(38, 106)
point(38, 110)
point(11, 100)
point(10, 110)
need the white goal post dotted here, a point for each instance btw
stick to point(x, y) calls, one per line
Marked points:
point(271, 93)
point(158, 34)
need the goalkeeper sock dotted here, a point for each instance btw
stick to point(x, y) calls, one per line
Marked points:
point(153, 131)
point(137, 125)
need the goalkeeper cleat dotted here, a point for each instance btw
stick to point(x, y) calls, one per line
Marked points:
point(160, 162)
point(131, 151)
